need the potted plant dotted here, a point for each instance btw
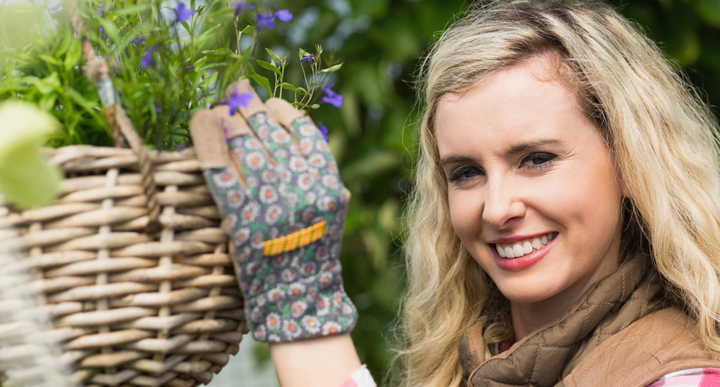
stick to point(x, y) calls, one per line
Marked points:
point(131, 261)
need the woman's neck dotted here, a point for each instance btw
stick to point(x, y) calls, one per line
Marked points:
point(529, 317)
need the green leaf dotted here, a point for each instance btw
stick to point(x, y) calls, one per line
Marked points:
point(48, 101)
point(134, 9)
point(187, 28)
point(371, 164)
point(249, 30)
point(274, 55)
point(50, 60)
point(46, 85)
point(262, 81)
point(710, 11)
point(315, 106)
point(268, 65)
point(84, 103)
point(128, 37)
point(302, 53)
point(111, 29)
point(206, 35)
point(59, 49)
point(200, 62)
point(209, 80)
point(300, 105)
point(74, 55)
point(213, 65)
point(288, 86)
point(331, 69)
point(302, 91)
point(218, 51)
point(26, 178)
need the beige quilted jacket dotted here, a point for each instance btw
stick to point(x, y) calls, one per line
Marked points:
point(618, 335)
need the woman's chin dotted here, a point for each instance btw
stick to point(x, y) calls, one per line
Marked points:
point(525, 292)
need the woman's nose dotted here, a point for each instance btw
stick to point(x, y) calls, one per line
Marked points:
point(503, 206)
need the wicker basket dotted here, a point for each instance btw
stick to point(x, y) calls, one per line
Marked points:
point(131, 308)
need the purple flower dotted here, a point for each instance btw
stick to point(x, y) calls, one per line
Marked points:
point(332, 97)
point(137, 40)
point(308, 57)
point(265, 20)
point(324, 131)
point(183, 13)
point(102, 33)
point(158, 109)
point(148, 59)
point(238, 100)
point(241, 6)
point(283, 14)
point(102, 10)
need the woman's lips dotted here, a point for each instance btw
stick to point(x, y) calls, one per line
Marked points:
point(517, 247)
point(520, 263)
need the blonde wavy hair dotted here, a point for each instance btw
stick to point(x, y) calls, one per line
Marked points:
point(661, 134)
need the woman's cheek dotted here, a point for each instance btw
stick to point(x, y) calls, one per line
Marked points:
point(465, 213)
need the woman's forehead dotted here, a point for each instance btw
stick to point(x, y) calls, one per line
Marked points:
point(512, 103)
point(548, 66)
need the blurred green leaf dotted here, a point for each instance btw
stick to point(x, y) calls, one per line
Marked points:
point(274, 55)
point(372, 8)
point(132, 9)
point(709, 10)
point(73, 56)
point(268, 65)
point(26, 178)
point(288, 86)
point(262, 81)
point(371, 164)
point(19, 25)
point(331, 69)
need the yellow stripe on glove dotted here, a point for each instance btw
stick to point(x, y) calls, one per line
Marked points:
point(295, 240)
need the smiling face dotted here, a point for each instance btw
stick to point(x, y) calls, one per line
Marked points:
point(532, 187)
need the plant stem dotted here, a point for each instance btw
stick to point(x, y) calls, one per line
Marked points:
point(4, 31)
point(237, 36)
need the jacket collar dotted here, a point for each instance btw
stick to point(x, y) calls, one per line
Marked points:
point(547, 355)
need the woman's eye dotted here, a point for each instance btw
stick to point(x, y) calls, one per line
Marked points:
point(537, 160)
point(465, 173)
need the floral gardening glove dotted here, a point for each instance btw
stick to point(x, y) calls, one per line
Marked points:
point(273, 177)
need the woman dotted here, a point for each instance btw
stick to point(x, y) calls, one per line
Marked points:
point(660, 147)
point(564, 228)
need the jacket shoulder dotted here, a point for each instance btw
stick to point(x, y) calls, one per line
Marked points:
point(657, 344)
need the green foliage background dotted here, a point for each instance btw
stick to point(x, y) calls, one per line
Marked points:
point(373, 134)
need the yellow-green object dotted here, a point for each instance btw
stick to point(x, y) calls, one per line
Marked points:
point(26, 178)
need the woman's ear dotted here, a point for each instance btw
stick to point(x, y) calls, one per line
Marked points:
point(625, 189)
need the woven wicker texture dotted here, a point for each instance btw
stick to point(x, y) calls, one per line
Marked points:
point(28, 355)
point(132, 309)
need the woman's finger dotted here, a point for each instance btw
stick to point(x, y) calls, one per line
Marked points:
point(310, 140)
point(300, 126)
point(225, 179)
point(276, 139)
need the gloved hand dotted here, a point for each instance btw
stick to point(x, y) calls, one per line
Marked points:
point(276, 183)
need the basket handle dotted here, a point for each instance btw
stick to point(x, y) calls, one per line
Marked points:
point(123, 131)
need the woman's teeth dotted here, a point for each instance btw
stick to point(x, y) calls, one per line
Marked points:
point(522, 248)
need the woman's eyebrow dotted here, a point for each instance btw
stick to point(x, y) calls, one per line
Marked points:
point(528, 146)
point(455, 159)
point(519, 148)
